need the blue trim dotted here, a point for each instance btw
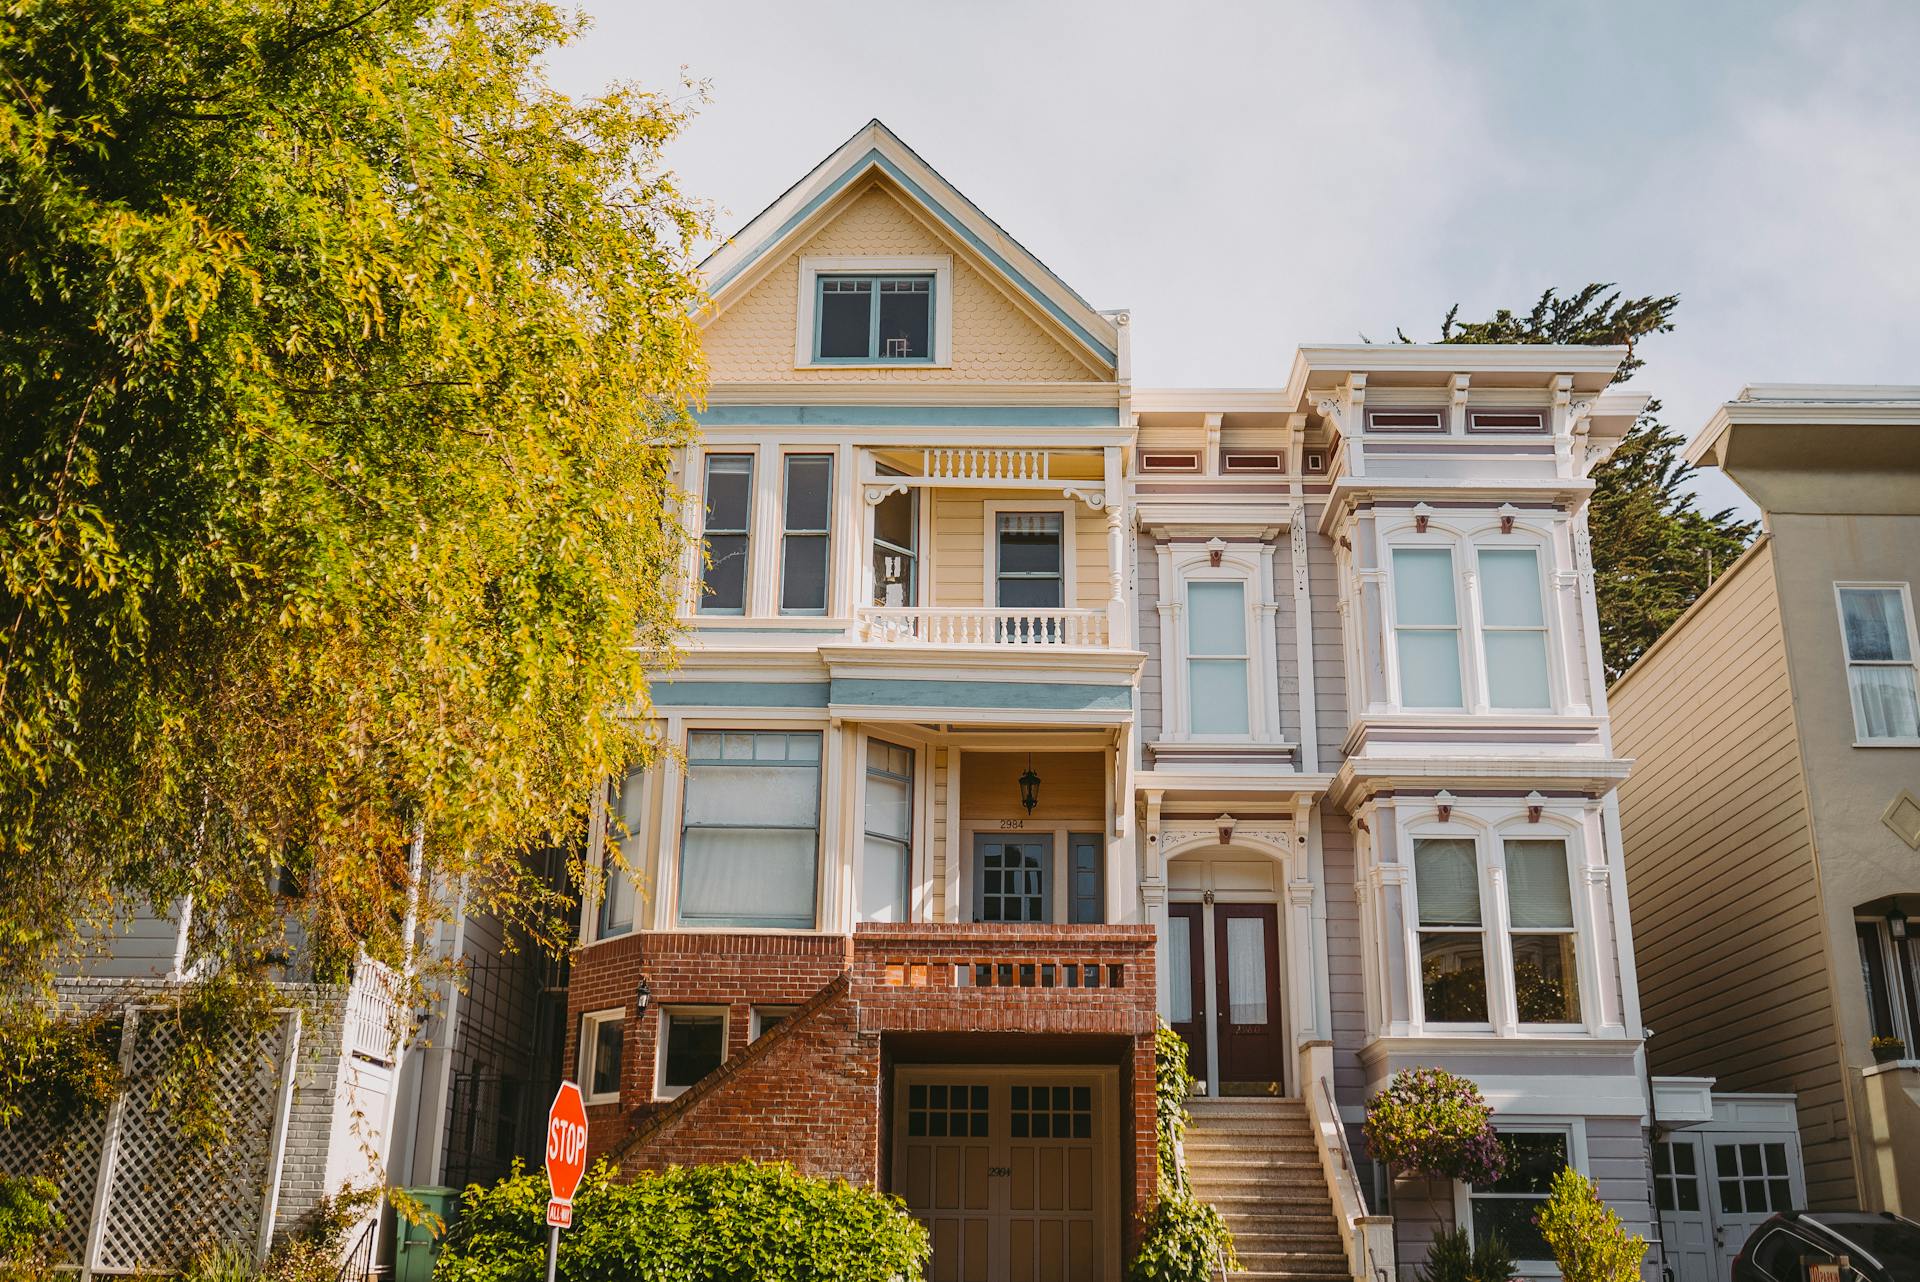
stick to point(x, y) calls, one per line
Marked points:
point(893, 171)
point(908, 416)
point(739, 694)
point(1040, 696)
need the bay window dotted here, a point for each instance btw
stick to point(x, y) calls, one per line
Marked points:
point(749, 841)
point(1513, 628)
point(887, 857)
point(1217, 657)
point(805, 544)
point(1546, 976)
point(729, 508)
point(1426, 628)
point(1876, 624)
point(1453, 962)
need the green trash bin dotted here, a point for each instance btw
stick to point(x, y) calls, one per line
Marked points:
point(414, 1245)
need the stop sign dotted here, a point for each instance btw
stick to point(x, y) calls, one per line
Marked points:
point(566, 1142)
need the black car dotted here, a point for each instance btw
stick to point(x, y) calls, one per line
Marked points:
point(1879, 1248)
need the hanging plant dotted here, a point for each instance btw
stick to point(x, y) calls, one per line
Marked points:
point(1433, 1125)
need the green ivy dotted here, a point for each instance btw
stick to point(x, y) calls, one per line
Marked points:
point(1588, 1240)
point(1184, 1238)
point(28, 1226)
point(746, 1219)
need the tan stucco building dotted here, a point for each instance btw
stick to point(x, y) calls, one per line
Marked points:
point(1771, 830)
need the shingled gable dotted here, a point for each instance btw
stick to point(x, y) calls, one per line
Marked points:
point(875, 156)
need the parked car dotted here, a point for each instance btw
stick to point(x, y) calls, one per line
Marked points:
point(1880, 1248)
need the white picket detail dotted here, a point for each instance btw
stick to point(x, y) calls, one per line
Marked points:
point(966, 625)
point(984, 465)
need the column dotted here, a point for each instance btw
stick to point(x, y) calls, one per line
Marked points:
point(1114, 495)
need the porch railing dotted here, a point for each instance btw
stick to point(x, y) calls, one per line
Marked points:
point(980, 625)
point(374, 1012)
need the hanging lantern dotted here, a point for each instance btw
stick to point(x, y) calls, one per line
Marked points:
point(1029, 786)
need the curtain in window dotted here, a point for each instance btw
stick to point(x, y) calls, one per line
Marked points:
point(1880, 673)
point(748, 848)
point(1884, 701)
point(1246, 970)
point(1538, 892)
point(1876, 624)
point(1449, 881)
point(889, 820)
point(1179, 971)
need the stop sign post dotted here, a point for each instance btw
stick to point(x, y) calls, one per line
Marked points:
point(566, 1163)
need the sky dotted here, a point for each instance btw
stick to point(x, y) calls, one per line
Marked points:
point(1248, 177)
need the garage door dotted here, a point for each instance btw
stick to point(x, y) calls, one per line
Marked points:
point(1010, 1170)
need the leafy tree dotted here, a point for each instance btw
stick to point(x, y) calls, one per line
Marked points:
point(1589, 1242)
point(1654, 552)
point(343, 366)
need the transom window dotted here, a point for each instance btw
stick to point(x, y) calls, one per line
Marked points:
point(874, 318)
point(750, 837)
point(1876, 623)
point(1217, 657)
point(1513, 628)
point(1507, 1206)
point(1546, 978)
point(1426, 628)
point(1453, 956)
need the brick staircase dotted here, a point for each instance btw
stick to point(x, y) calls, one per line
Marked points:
point(1254, 1160)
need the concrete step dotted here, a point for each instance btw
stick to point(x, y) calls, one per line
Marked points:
point(1290, 1275)
point(1322, 1242)
point(1258, 1192)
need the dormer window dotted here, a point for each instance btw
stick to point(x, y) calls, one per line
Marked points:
point(875, 319)
point(872, 311)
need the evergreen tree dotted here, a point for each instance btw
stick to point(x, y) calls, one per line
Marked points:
point(1654, 552)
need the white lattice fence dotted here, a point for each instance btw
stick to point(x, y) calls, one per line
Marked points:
point(69, 1156)
point(167, 1198)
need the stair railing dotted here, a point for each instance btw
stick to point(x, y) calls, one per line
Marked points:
point(1370, 1256)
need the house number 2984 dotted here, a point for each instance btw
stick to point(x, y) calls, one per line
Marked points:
point(1013, 823)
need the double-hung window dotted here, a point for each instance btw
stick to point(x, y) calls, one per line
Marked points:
point(1513, 628)
point(806, 540)
point(1453, 956)
point(886, 862)
point(1876, 622)
point(874, 319)
point(693, 1044)
point(616, 882)
point(1426, 628)
point(749, 844)
point(1507, 1206)
point(729, 490)
point(1029, 560)
point(1217, 657)
point(1546, 976)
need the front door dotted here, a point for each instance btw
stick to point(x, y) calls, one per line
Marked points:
point(1012, 877)
point(1235, 1035)
point(1008, 1169)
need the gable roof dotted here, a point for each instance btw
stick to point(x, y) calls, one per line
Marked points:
point(876, 148)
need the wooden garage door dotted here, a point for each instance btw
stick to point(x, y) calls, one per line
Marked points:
point(1009, 1171)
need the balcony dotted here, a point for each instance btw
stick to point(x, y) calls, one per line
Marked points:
point(980, 977)
point(982, 626)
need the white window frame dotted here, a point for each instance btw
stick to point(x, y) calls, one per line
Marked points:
point(1901, 983)
point(990, 545)
point(589, 1050)
point(756, 1026)
point(1848, 662)
point(1251, 566)
point(939, 266)
point(1490, 952)
point(1481, 684)
point(660, 1088)
point(917, 751)
point(673, 808)
point(1465, 640)
point(748, 580)
point(828, 533)
point(1509, 982)
point(1575, 1130)
point(637, 839)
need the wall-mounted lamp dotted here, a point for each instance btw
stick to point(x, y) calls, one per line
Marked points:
point(1896, 922)
point(1223, 826)
point(1029, 786)
point(642, 997)
point(1443, 802)
point(1535, 804)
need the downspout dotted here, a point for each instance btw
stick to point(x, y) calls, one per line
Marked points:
point(1653, 1137)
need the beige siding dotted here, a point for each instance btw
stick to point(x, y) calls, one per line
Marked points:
point(939, 865)
point(961, 556)
point(1720, 872)
point(994, 340)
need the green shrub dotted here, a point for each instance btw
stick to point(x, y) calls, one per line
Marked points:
point(28, 1226)
point(1453, 1257)
point(1434, 1125)
point(1184, 1238)
point(1588, 1240)
point(747, 1219)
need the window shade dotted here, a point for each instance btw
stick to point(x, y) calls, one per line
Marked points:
point(1216, 618)
point(1449, 880)
point(1179, 971)
point(1538, 892)
point(1510, 587)
point(1246, 970)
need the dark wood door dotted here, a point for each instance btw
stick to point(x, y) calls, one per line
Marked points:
point(1247, 1023)
point(1185, 936)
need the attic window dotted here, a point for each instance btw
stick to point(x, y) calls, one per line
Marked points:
point(1505, 421)
point(1251, 461)
point(875, 319)
point(1170, 461)
point(1405, 421)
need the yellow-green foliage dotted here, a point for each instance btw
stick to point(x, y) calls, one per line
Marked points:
point(343, 365)
point(1587, 1238)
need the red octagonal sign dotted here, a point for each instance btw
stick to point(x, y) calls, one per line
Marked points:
point(566, 1142)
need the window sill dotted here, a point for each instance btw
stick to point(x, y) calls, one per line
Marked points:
point(1886, 743)
point(1890, 1066)
point(598, 1101)
point(865, 364)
